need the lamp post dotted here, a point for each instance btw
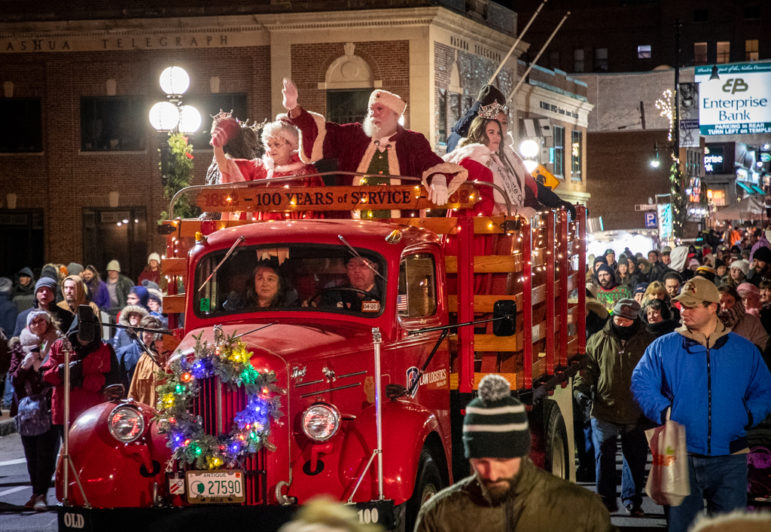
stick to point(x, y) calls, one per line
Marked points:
point(174, 119)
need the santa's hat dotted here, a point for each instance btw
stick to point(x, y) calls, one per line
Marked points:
point(389, 99)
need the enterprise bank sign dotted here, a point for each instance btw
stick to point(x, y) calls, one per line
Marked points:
point(737, 103)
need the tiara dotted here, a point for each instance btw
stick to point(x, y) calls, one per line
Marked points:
point(492, 110)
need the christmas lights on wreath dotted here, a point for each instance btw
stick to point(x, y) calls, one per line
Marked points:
point(229, 360)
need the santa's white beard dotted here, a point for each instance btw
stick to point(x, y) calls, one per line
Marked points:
point(371, 129)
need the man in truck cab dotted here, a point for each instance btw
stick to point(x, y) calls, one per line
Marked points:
point(362, 292)
point(507, 491)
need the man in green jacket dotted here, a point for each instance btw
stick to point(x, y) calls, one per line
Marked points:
point(612, 355)
point(507, 492)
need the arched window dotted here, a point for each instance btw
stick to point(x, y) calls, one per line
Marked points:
point(348, 82)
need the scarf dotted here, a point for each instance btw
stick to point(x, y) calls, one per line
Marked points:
point(506, 177)
point(733, 315)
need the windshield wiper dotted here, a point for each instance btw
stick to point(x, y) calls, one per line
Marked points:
point(356, 254)
point(226, 257)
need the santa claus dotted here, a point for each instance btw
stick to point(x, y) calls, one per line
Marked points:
point(379, 146)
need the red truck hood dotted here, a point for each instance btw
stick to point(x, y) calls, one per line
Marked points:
point(289, 341)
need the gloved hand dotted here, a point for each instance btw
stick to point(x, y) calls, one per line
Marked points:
point(570, 208)
point(437, 192)
point(584, 403)
point(76, 372)
point(289, 93)
point(225, 130)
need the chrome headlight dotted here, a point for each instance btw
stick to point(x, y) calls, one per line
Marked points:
point(126, 423)
point(320, 421)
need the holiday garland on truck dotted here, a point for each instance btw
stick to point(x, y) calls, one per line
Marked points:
point(230, 361)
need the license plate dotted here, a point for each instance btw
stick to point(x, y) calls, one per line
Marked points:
point(207, 487)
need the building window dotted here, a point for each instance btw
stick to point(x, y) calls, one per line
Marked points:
point(700, 53)
point(112, 123)
point(346, 106)
point(23, 131)
point(700, 15)
point(578, 60)
point(600, 59)
point(442, 117)
point(554, 59)
point(644, 51)
point(723, 52)
point(211, 104)
point(751, 50)
point(752, 12)
point(559, 151)
point(576, 150)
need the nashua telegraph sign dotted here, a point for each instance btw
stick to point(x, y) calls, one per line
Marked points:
point(738, 102)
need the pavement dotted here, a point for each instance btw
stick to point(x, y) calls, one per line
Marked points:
point(7, 423)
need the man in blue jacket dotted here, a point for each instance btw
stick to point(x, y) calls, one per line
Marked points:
point(717, 386)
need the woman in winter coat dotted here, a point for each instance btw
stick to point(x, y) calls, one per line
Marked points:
point(734, 316)
point(90, 363)
point(658, 318)
point(97, 289)
point(29, 352)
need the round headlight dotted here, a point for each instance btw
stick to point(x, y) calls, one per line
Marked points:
point(320, 421)
point(126, 423)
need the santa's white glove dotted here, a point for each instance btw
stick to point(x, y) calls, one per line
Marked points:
point(289, 93)
point(437, 192)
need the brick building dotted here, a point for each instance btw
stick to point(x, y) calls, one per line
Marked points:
point(80, 178)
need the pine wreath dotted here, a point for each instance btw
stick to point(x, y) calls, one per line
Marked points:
point(229, 360)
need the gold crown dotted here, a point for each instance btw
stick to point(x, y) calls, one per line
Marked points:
point(492, 110)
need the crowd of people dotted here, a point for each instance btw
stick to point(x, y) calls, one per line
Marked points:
point(39, 324)
point(681, 332)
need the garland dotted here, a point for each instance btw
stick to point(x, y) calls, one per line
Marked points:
point(228, 360)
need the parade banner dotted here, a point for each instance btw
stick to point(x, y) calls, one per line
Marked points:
point(738, 102)
point(688, 94)
point(261, 198)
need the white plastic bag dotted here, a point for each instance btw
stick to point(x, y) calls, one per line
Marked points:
point(668, 482)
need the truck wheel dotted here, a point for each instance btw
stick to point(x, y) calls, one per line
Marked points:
point(427, 484)
point(557, 458)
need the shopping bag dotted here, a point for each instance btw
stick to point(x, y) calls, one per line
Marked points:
point(668, 483)
point(34, 415)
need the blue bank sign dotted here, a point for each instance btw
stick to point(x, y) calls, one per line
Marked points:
point(738, 103)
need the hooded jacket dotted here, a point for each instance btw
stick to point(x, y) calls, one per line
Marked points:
point(95, 361)
point(610, 362)
point(717, 387)
point(81, 297)
point(538, 501)
point(122, 337)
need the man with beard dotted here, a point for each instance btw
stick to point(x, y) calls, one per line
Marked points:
point(506, 490)
point(45, 298)
point(378, 146)
point(612, 355)
point(608, 291)
point(761, 266)
point(75, 294)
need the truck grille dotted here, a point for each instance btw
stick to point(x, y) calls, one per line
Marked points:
point(217, 404)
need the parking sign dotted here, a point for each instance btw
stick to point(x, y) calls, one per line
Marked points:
point(651, 222)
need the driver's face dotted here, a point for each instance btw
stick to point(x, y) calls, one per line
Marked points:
point(359, 274)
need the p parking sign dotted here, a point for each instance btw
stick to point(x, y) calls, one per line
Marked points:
point(651, 221)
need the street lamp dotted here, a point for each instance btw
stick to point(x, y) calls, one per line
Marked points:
point(170, 115)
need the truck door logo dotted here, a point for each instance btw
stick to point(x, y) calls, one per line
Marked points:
point(413, 374)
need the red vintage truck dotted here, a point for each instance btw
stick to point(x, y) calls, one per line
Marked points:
point(358, 394)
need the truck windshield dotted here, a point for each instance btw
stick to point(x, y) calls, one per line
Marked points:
point(296, 277)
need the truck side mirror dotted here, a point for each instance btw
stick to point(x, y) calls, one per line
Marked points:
point(505, 316)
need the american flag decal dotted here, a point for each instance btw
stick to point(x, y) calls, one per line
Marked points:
point(401, 302)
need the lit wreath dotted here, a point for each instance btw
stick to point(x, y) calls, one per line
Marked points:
point(229, 360)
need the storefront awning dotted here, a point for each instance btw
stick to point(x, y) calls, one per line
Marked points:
point(747, 187)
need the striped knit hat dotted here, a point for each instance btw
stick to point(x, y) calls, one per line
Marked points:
point(495, 425)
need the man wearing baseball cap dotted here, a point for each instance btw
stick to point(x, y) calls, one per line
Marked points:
point(506, 490)
point(716, 384)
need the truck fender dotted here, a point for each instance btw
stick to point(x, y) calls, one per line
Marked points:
point(406, 427)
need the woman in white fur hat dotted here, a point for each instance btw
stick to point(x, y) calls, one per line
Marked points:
point(281, 159)
point(28, 353)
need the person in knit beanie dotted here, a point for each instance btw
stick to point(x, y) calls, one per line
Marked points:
point(506, 490)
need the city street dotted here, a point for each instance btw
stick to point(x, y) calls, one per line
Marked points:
point(15, 489)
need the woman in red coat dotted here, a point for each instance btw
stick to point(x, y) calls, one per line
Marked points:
point(89, 364)
point(280, 140)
